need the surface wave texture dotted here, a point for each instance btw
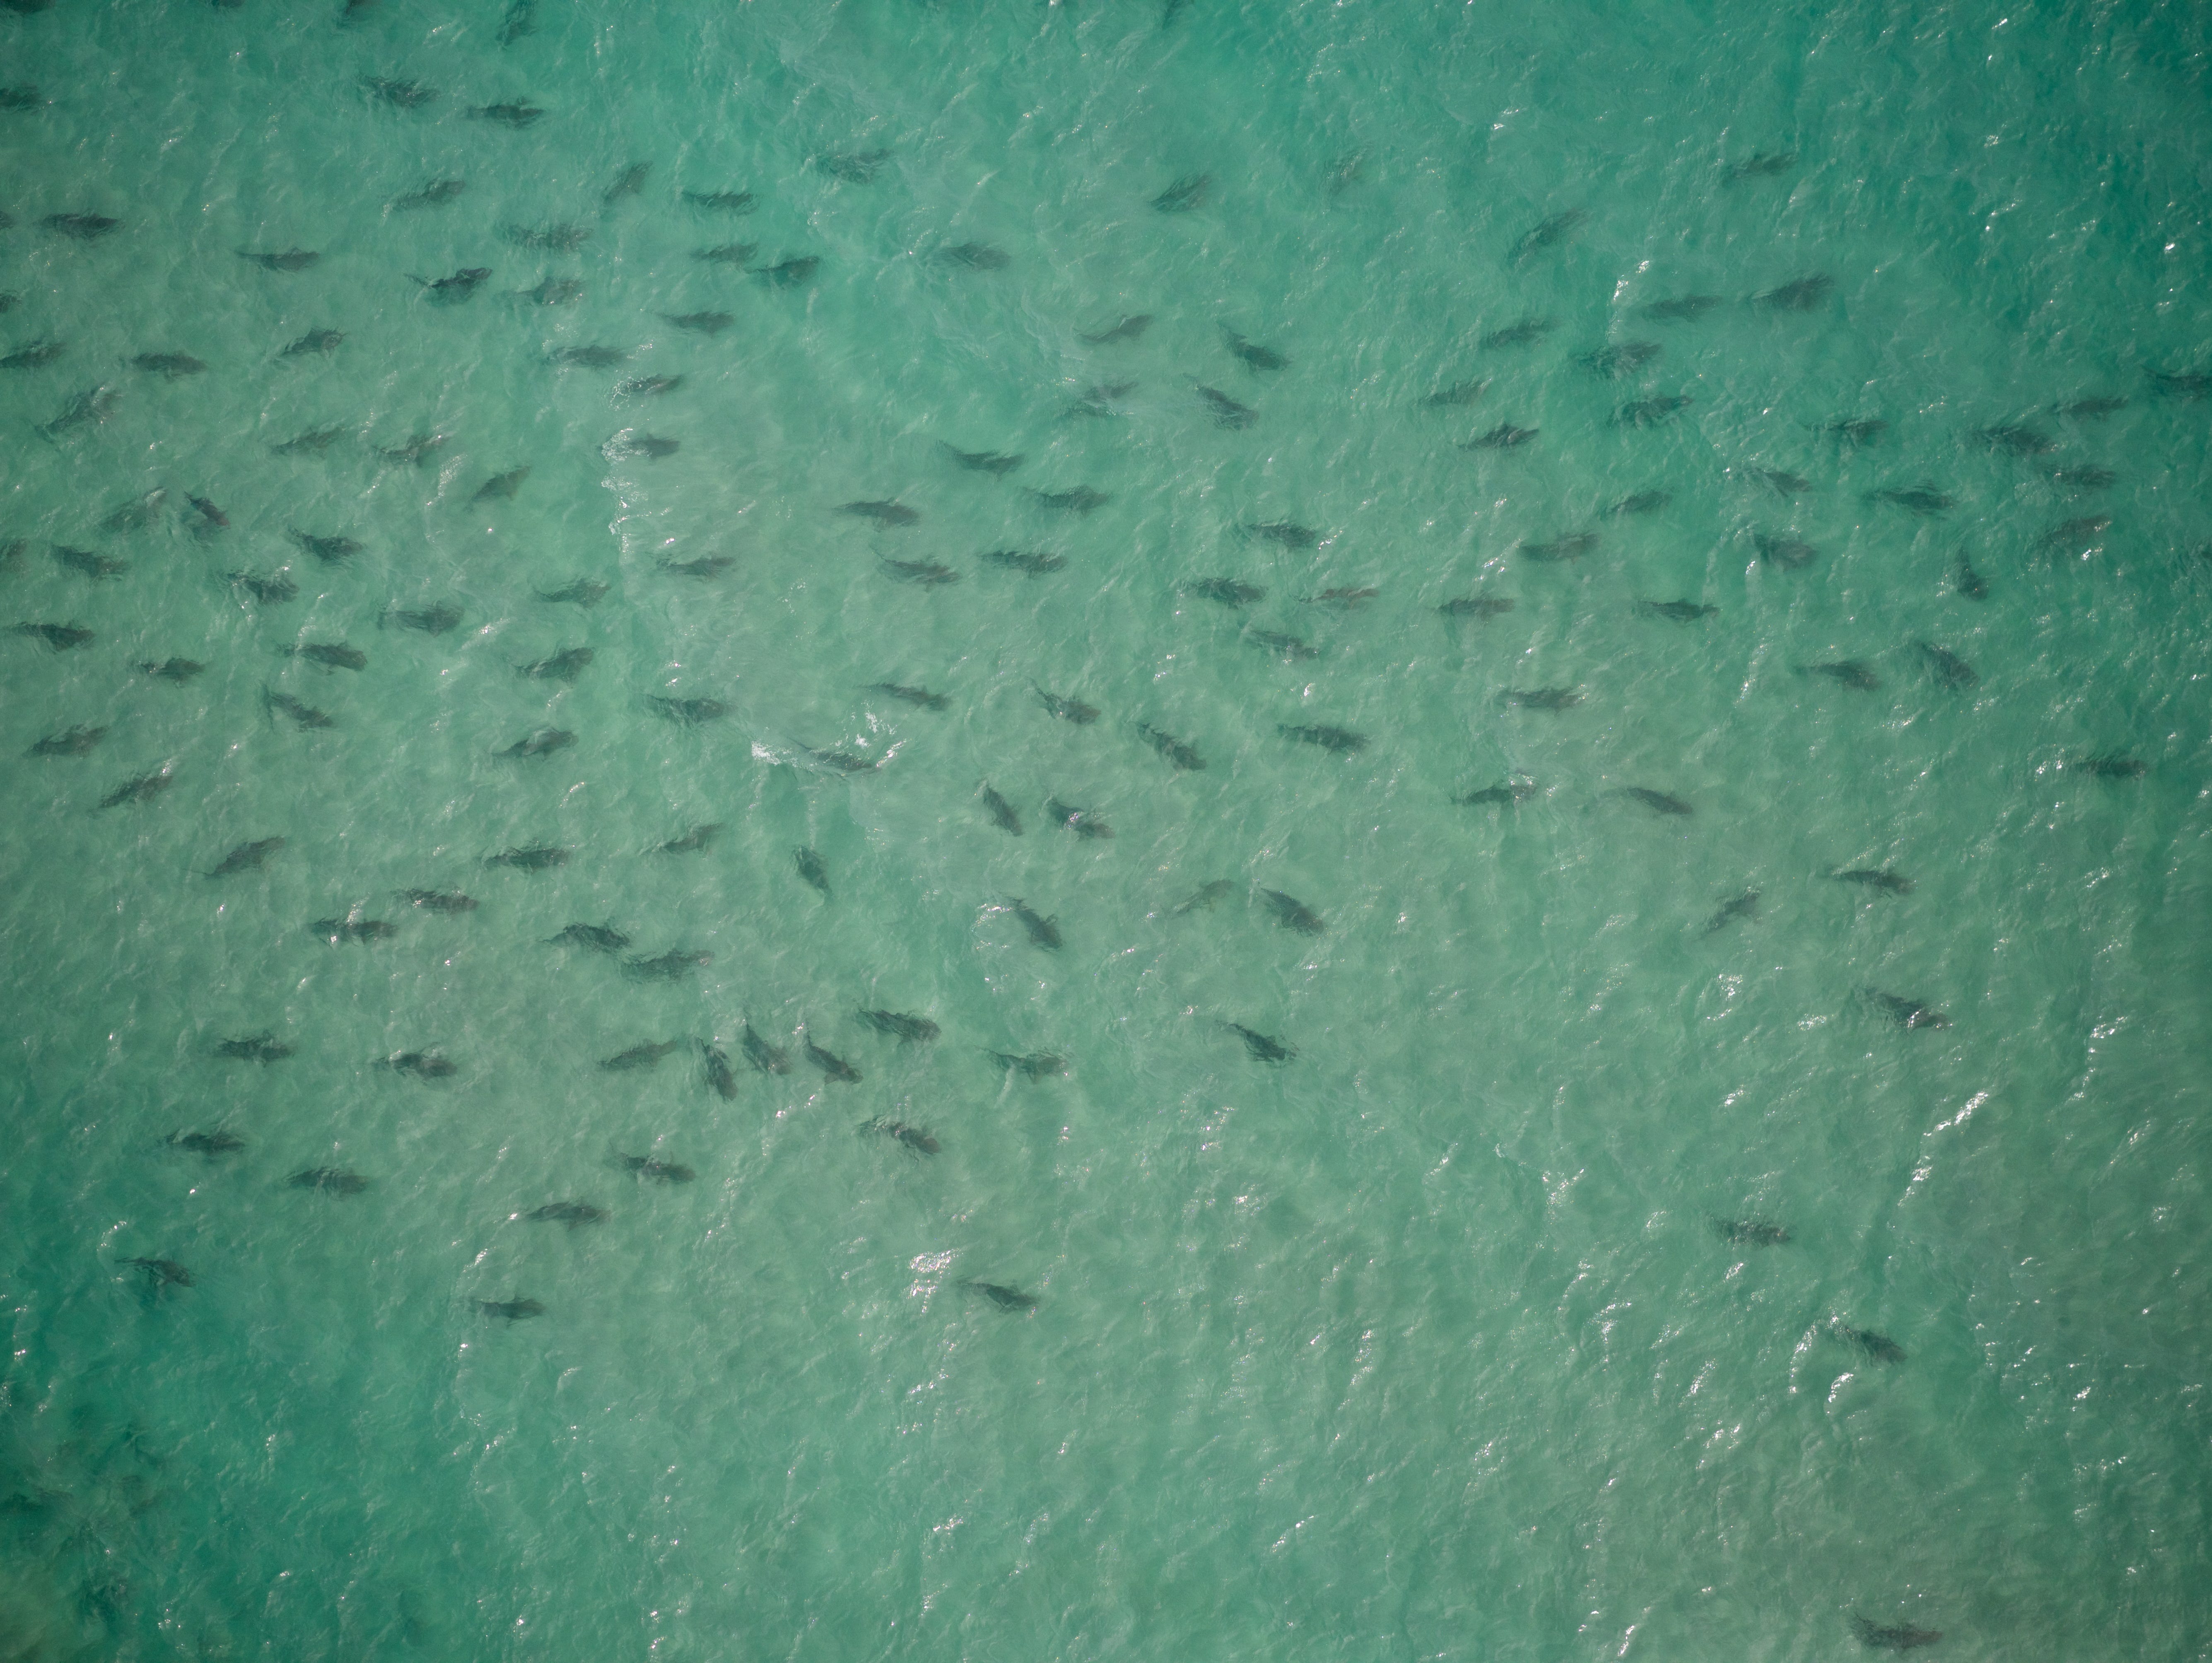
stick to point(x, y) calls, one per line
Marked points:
point(1647, 1100)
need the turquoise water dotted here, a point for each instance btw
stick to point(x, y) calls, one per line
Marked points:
point(1422, 1344)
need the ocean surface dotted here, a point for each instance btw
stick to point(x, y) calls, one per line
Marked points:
point(1607, 1264)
